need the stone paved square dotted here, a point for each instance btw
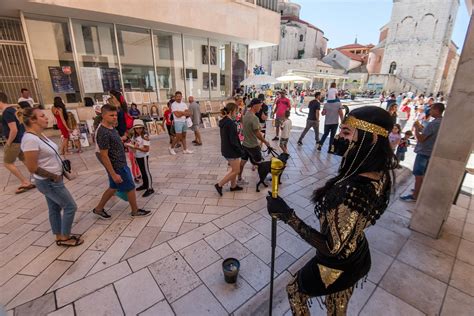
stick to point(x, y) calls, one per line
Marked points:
point(165, 263)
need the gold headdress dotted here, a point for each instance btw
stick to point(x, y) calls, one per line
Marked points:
point(366, 126)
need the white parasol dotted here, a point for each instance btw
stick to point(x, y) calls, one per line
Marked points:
point(292, 78)
point(259, 80)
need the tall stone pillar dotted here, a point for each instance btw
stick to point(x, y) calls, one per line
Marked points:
point(452, 149)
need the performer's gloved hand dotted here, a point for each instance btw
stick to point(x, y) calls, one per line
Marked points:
point(278, 208)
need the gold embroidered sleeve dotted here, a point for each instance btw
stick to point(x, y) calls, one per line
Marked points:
point(341, 222)
point(309, 234)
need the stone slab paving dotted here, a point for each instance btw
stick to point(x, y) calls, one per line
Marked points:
point(170, 263)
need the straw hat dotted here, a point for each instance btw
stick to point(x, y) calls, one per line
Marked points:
point(138, 123)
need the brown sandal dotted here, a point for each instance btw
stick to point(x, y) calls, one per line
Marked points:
point(77, 241)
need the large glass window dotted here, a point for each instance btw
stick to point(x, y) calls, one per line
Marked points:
point(52, 51)
point(136, 59)
point(199, 82)
point(239, 64)
point(169, 63)
point(97, 56)
point(220, 64)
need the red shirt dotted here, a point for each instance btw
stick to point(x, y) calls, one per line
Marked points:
point(282, 105)
point(167, 116)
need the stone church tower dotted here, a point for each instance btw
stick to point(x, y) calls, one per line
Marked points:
point(417, 45)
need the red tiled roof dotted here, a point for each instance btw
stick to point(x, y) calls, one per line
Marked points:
point(354, 46)
point(296, 19)
point(352, 55)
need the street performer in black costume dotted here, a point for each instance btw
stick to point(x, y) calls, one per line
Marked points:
point(347, 204)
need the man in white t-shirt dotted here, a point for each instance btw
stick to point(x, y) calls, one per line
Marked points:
point(180, 111)
point(26, 97)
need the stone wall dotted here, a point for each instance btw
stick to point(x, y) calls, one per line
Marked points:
point(418, 40)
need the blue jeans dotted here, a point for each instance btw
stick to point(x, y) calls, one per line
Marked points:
point(329, 128)
point(58, 198)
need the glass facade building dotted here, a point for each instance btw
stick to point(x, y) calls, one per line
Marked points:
point(77, 59)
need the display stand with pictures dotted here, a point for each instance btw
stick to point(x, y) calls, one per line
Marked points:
point(159, 128)
point(83, 128)
point(154, 113)
point(145, 110)
point(129, 97)
point(206, 122)
point(151, 127)
point(213, 121)
point(137, 97)
point(146, 97)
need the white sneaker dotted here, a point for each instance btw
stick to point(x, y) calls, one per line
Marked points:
point(172, 151)
point(187, 151)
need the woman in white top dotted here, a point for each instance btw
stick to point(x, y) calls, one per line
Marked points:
point(141, 146)
point(43, 161)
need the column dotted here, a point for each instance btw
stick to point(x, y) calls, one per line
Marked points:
point(452, 149)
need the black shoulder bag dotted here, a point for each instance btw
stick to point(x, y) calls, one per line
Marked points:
point(66, 163)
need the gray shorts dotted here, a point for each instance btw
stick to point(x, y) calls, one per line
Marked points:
point(283, 141)
point(195, 127)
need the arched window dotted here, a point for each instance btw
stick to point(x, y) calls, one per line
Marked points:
point(393, 67)
point(301, 37)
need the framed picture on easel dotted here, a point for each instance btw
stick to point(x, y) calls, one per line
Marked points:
point(206, 122)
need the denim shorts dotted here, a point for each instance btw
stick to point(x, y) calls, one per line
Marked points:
point(127, 180)
point(231, 159)
point(180, 127)
point(421, 163)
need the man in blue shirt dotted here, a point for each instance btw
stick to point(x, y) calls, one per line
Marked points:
point(13, 132)
point(426, 138)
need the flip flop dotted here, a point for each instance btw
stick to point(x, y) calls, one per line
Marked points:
point(63, 243)
point(22, 189)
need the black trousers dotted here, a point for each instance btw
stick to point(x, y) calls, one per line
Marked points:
point(145, 171)
point(329, 128)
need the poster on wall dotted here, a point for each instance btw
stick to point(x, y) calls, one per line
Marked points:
point(205, 81)
point(61, 79)
point(110, 79)
point(205, 55)
point(92, 79)
point(213, 81)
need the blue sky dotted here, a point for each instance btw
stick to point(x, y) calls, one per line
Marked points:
point(341, 20)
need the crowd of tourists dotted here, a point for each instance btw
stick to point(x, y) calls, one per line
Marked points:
point(118, 130)
point(415, 118)
point(243, 126)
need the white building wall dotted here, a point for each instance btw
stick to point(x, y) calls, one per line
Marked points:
point(418, 40)
point(288, 48)
point(335, 58)
point(310, 43)
point(281, 67)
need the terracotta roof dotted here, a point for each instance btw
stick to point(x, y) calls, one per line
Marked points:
point(296, 19)
point(352, 56)
point(352, 46)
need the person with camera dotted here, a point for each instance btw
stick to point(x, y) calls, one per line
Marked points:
point(44, 162)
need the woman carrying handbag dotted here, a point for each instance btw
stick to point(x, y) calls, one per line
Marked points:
point(44, 162)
